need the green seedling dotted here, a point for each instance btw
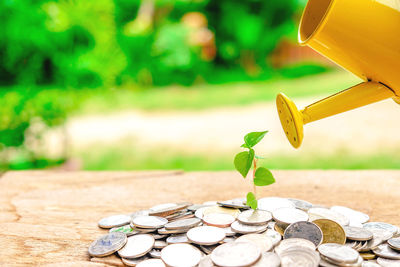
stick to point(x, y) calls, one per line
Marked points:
point(245, 160)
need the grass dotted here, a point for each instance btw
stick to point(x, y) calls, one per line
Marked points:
point(205, 96)
point(127, 157)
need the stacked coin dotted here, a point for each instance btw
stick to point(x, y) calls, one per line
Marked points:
point(282, 232)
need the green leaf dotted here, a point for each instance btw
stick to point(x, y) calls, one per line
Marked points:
point(251, 139)
point(244, 145)
point(251, 200)
point(263, 177)
point(243, 161)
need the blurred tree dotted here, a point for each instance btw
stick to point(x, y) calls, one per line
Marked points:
point(248, 31)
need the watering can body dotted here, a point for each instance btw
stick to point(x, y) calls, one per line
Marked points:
point(362, 36)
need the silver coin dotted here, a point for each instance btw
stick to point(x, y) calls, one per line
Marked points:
point(142, 230)
point(178, 255)
point(195, 207)
point(158, 236)
point(183, 214)
point(379, 236)
point(174, 239)
point(208, 249)
point(358, 263)
point(155, 253)
point(218, 219)
point(381, 233)
point(126, 229)
point(206, 235)
point(228, 231)
point(271, 225)
point(114, 221)
point(305, 230)
point(324, 263)
point(371, 264)
point(162, 206)
point(394, 243)
point(272, 203)
point(353, 215)
point(301, 204)
point(255, 217)
point(134, 262)
point(107, 244)
point(359, 245)
point(238, 203)
point(160, 244)
point(247, 229)
point(289, 215)
point(299, 257)
point(163, 231)
point(151, 263)
point(199, 212)
point(137, 246)
point(268, 259)
point(168, 210)
point(385, 251)
point(263, 242)
point(274, 236)
point(228, 239)
point(206, 262)
point(235, 254)
point(358, 234)
point(210, 203)
point(139, 213)
point(183, 223)
point(338, 253)
point(294, 242)
point(363, 247)
point(388, 262)
point(381, 225)
point(323, 213)
point(371, 244)
point(149, 221)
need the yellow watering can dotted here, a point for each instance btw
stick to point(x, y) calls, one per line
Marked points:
point(362, 36)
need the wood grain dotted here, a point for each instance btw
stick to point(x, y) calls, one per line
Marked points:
point(50, 218)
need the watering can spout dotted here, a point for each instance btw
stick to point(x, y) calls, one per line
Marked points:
point(292, 119)
point(360, 36)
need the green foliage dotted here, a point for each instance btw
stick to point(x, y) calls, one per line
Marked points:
point(263, 177)
point(244, 160)
point(251, 200)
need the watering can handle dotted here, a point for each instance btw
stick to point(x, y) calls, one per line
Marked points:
point(292, 119)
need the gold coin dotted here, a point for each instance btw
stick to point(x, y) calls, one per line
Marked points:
point(367, 255)
point(332, 231)
point(279, 228)
point(218, 209)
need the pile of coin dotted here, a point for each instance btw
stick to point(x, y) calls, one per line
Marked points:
point(281, 232)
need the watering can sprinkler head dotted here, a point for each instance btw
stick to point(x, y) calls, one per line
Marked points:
point(291, 120)
point(362, 37)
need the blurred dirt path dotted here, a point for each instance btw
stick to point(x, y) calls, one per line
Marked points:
point(371, 128)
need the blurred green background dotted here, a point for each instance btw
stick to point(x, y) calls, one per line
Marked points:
point(86, 85)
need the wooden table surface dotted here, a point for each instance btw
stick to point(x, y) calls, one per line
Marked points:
point(50, 218)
